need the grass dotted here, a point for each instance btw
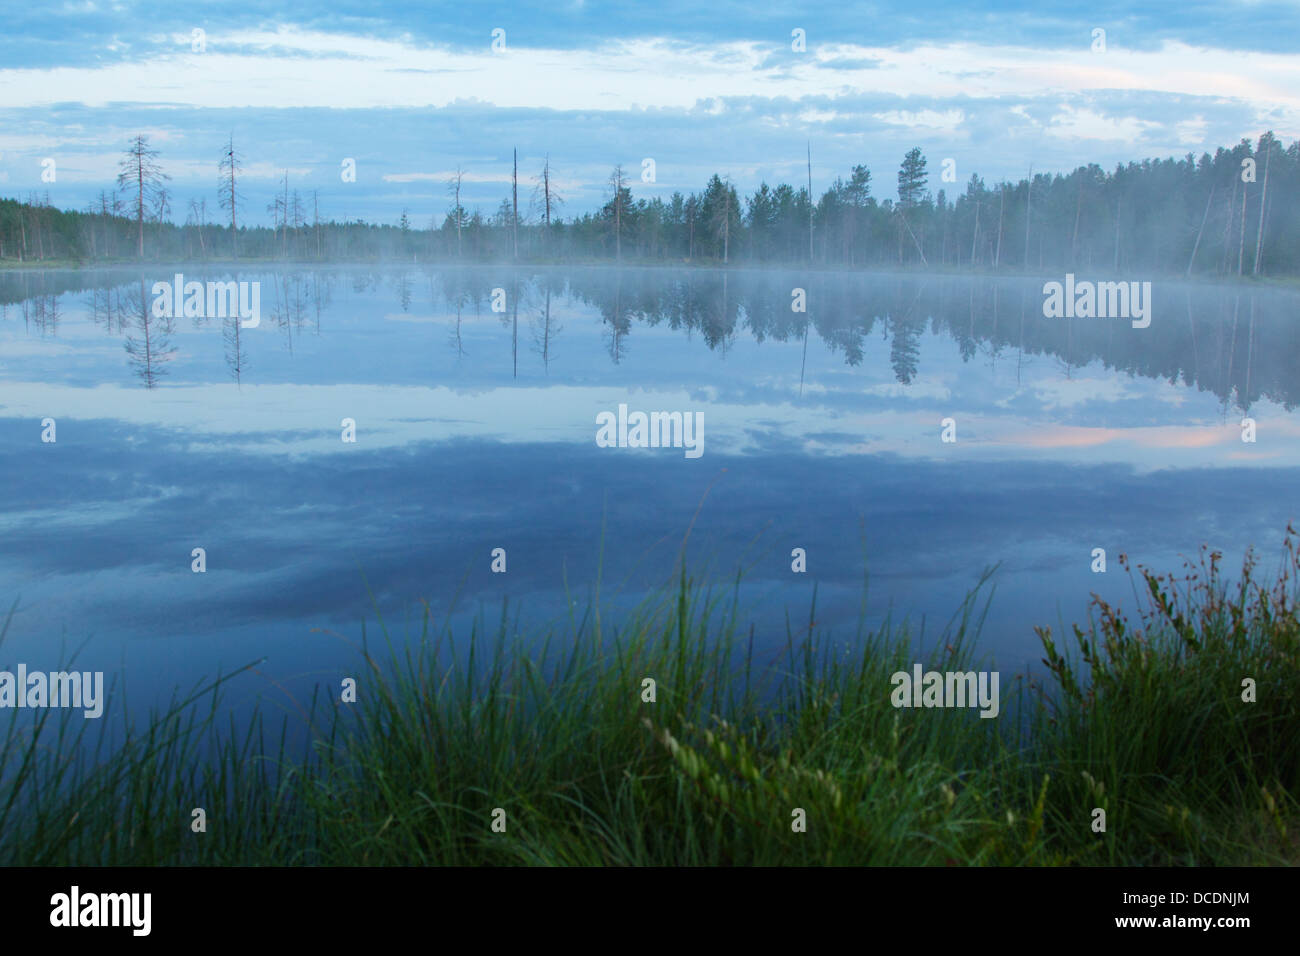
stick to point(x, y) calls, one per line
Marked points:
point(1141, 717)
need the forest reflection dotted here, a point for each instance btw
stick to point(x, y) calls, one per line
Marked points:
point(1239, 342)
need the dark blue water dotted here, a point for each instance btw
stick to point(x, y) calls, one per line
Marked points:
point(477, 430)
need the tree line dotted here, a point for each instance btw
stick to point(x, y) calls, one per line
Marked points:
point(1230, 213)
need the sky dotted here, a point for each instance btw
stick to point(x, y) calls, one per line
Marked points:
point(410, 91)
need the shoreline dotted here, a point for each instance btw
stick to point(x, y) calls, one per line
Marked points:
point(69, 265)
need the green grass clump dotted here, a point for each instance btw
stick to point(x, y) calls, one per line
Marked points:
point(1144, 719)
point(1162, 727)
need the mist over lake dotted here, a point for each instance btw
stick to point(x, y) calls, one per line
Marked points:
point(477, 430)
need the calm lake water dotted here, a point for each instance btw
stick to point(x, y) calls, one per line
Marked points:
point(476, 429)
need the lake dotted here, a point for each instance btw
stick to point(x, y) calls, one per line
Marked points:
point(474, 396)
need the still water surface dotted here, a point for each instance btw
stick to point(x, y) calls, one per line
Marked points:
point(477, 430)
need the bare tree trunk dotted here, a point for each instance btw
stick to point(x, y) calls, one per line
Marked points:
point(726, 224)
point(234, 227)
point(514, 192)
point(230, 173)
point(1263, 199)
point(1197, 244)
point(1241, 243)
point(546, 190)
point(139, 207)
point(810, 205)
point(1029, 208)
point(1074, 239)
point(284, 229)
point(1227, 227)
point(618, 213)
point(914, 239)
point(1119, 209)
point(1002, 202)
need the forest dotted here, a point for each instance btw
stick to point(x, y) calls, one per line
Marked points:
point(1233, 213)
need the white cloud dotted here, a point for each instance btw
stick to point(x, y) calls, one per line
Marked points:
point(1076, 124)
point(819, 116)
point(291, 67)
point(443, 177)
point(1191, 132)
point(1055, 393)
point(948, 120)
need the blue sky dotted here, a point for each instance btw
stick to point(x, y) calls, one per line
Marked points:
point(411, 90)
